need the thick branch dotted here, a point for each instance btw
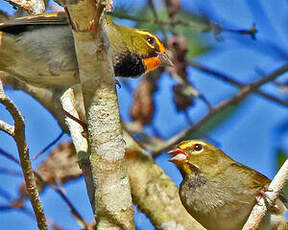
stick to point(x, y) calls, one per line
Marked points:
point(274, 189)
point(113, 202)
point(80, 142)
point(19, 137)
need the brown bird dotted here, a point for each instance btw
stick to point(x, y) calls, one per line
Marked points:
point(219, 192)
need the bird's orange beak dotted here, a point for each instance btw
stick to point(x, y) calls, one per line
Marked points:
point(178, 156)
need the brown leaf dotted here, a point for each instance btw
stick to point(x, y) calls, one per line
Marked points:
point(181, 99)
point(178, 45)
point(58, 168)
point(142, 109)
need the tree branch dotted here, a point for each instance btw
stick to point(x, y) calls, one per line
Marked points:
point(228, 79)
point(245, 91)
point(80, 142)
point(41, 183)
point(9, 129)
point(31, 6)
point(144, 173)
point(111, 202)
point(273, 191)
point(23, 150)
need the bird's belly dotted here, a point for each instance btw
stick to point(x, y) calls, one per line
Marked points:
point(223, 218)
point(217, 212)
point(215, 208)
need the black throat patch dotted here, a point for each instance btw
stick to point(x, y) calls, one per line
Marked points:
point(128, 65)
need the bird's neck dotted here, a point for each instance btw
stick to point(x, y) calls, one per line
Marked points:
point(194, 180)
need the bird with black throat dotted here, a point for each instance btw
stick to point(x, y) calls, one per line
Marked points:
point(219, 192)
point(40, 50)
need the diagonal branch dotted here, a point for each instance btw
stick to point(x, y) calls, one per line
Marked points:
point(226, 78)
point(19, 201)
point(31, 6)
point(144, 173)
point(273, 191)
point(245, 91)
point(9, 129)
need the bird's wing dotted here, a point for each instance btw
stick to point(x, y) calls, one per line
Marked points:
point(248, 176)
point(18, 25)
point(259, 181)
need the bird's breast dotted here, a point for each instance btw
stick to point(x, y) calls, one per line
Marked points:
point(127, 64)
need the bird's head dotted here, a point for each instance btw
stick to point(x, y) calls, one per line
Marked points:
point(195, 156)
point(135, 52)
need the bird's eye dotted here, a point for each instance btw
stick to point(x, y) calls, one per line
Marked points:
point(197, 147)
point(150, 40)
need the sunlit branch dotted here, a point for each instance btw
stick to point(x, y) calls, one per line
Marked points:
point(272, 193)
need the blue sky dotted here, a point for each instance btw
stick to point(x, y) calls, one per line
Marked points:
point(250, 136)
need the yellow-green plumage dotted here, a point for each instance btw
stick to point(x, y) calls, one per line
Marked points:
point(219, 192)
point(40, 50)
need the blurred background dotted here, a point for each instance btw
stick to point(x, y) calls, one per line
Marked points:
point(218, 46)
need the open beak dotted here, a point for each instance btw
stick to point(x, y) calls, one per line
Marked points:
point(178, 155)
point(165, 59)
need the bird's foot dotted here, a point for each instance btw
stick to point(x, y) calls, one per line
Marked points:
point(262, 194)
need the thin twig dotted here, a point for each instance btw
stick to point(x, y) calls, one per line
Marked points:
point(23, 150)
point(49, 145)
point(273, 191)
point(6, 207)
point(245, 91)
point(73, 210)
point(10, 172)
point(226, 78)
point(9, 129)
point(9, 156)
point(82, 123)
point(207, 25)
